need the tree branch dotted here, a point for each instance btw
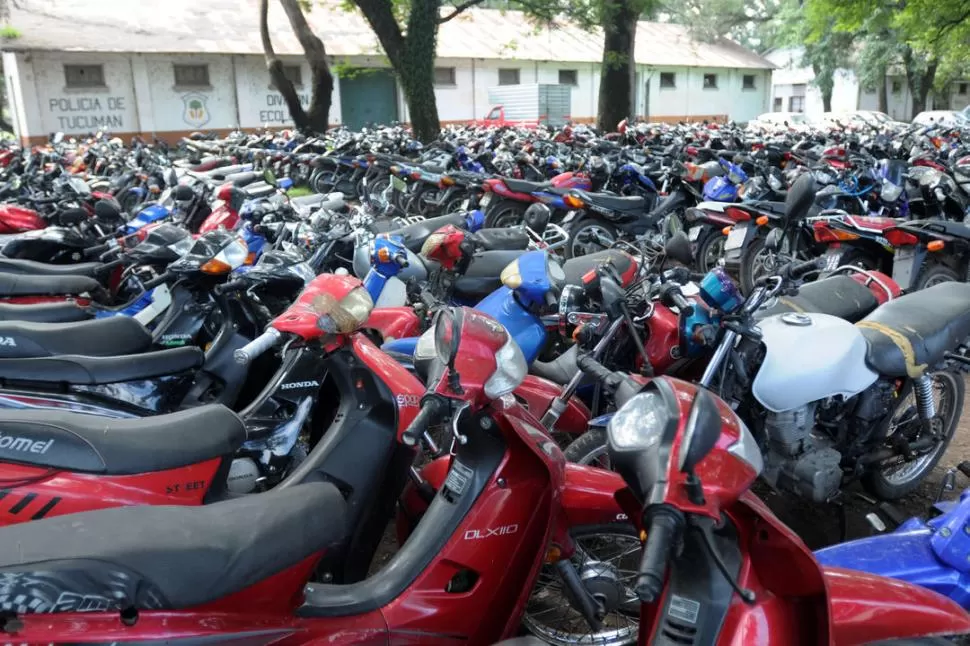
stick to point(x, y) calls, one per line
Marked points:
point(380, 16)
point(458, 9)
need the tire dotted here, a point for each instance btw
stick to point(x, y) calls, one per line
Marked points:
point(709, 250)
point(590, 235)
point(589, 449)
point(755, 263)
point(878, 484)
point(860, 259)
point(933, 275)
point(323, 182)
point(505, 213)
point(543, 598)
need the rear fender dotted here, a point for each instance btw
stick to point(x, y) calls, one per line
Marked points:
point(866, 608)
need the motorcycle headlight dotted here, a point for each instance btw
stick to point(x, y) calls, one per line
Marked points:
point(510, 370)
point(232, 256)
point(182, 247)
point(890, 192)
point(425, 348)
point(347, 314)
point(639, 425)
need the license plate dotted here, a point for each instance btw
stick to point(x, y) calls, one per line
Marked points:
point(736, 238)
point(694, 233)
point(398, 184)
point(486, 200)
point(832, 261)
point(904, 266)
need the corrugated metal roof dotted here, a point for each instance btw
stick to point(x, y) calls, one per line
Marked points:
point(231, 27)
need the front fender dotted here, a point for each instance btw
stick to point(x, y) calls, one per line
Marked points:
point(865, 608)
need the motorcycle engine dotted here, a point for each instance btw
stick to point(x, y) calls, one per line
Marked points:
point(243, 474)
point(798, 460)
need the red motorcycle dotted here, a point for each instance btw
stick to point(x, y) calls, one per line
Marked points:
point(718, 567)
point(506, 199)
point(241, 568)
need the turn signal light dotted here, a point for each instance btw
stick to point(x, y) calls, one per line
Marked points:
point(762, 220)
point(447, 181)
point(384, 254)
point(726, 230)
point(395, 170)
point(215, 267)
point(935, 245)
point(573, 202)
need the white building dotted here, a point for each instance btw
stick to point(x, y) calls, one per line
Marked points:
point(793, 90)
point(145, 68)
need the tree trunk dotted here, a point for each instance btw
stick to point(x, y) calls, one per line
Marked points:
point(275, 67)
point(883, 92)
point(417, 69)
point(618, 69)
point(920, 81)
point(318, 115)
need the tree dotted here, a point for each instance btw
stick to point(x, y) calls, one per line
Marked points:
point(618, 18)
point(315, 118)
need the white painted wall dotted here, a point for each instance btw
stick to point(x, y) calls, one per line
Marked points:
point(140, 94)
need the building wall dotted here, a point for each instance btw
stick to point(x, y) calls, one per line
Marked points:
point(140, 94)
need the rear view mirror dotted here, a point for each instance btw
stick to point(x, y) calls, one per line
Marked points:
point(702, 431)
point(773, 241)
point(678, 248)
point(171, 178)
point(183, 193)
point(71, 217)
point(800, 198)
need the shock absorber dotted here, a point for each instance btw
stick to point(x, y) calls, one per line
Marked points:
point(923, 389)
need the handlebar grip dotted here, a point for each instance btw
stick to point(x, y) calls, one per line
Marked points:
point(431, 410)
point(551, 299)
point(401, 260)
point(257, 346)
point(95, 251)
point(593, 368)
point(231, 286)
point(682, 303)
point(157, 280)
point(661, 537)
point(117, 262)
point(798, 269)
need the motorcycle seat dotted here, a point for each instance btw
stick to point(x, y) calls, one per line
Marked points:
point(524, 186)
point(415, 234)
point(482, 277)
point(910, 334)
point(259, 190)
point(43, 313)
point(95, 444)
point(108, 337)
point(840, 296)
point(560, 370)
point(24, 285)
point(167, 557)
point(243, 179)
point(616, 203)
point(576, 268)
point(500, 239)
point(31, 267)
point(82, 370)
point(317, 199)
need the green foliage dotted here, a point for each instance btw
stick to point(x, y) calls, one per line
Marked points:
point(344, 69)
point(9, 32)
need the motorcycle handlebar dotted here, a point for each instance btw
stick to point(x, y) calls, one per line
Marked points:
point(431, 411)
point(157, 280)
point(257, 346)
point(662, 536)
point(593, 368)
point(94, 252)
point(231, 286)
point(401, 260)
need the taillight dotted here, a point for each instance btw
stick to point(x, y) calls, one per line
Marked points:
point(416, 175)
point(825, 233)
point(900, 238)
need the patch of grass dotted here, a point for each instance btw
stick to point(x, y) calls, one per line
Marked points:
point(9, 32)
point(299, 191)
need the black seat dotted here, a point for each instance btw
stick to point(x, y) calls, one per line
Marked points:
point(90, 371)
point(840, 296)
point(243, 179)
point(523, 186)
point(911, 333)
point(500, 239)
point(616, 202)
point(31, 267)
point(259, 190)
point(43, 313)
point(576, 268)
point(108, 337)
point(415, 234)
point(96, 444)
point(560, 370)
point(166, 557)
point(24, 285)
point(481, 278)
point(940, 227)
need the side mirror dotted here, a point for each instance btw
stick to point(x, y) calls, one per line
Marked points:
point(70, 217)
point(269, 177)
point(447, 334)
point(678, 248)
point(183, 193)
point(702, 432)
point(170, 177)
point(773, 241)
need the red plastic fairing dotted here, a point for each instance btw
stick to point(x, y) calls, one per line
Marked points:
point(537, 394)
point(17, 219)
point(394, 322)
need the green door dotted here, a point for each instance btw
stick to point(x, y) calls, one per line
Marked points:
point(370, 97)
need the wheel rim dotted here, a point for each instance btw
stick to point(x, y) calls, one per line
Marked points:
point(592, 238)
point(936, 280)
point(376, 191)
point(902, 473)
point(607, 564)
point(763, 264)
point(508, 217)
point(713, 252)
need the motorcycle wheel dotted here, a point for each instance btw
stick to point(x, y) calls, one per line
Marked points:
point(589, 449)
point(376, 190)
point(934, 275)
point(323, 182)
point(606, 555)
point(756, 262)
point(590, 236)
point(709, 251)
point(504, 214)
point(893, 479)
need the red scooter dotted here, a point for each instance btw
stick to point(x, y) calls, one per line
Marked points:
point(240, 569)
point(718, 567)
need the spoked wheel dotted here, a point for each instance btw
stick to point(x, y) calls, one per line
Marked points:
point(897, 476)
point(323, 182)
point(376, 191)
point(505, 214)
point(589, 237)
point(428, 202)
point(607, 559)
point(710, 251)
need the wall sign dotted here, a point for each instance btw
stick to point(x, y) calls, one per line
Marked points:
point(88, 113)
point(195, 112)
point(278, 112)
